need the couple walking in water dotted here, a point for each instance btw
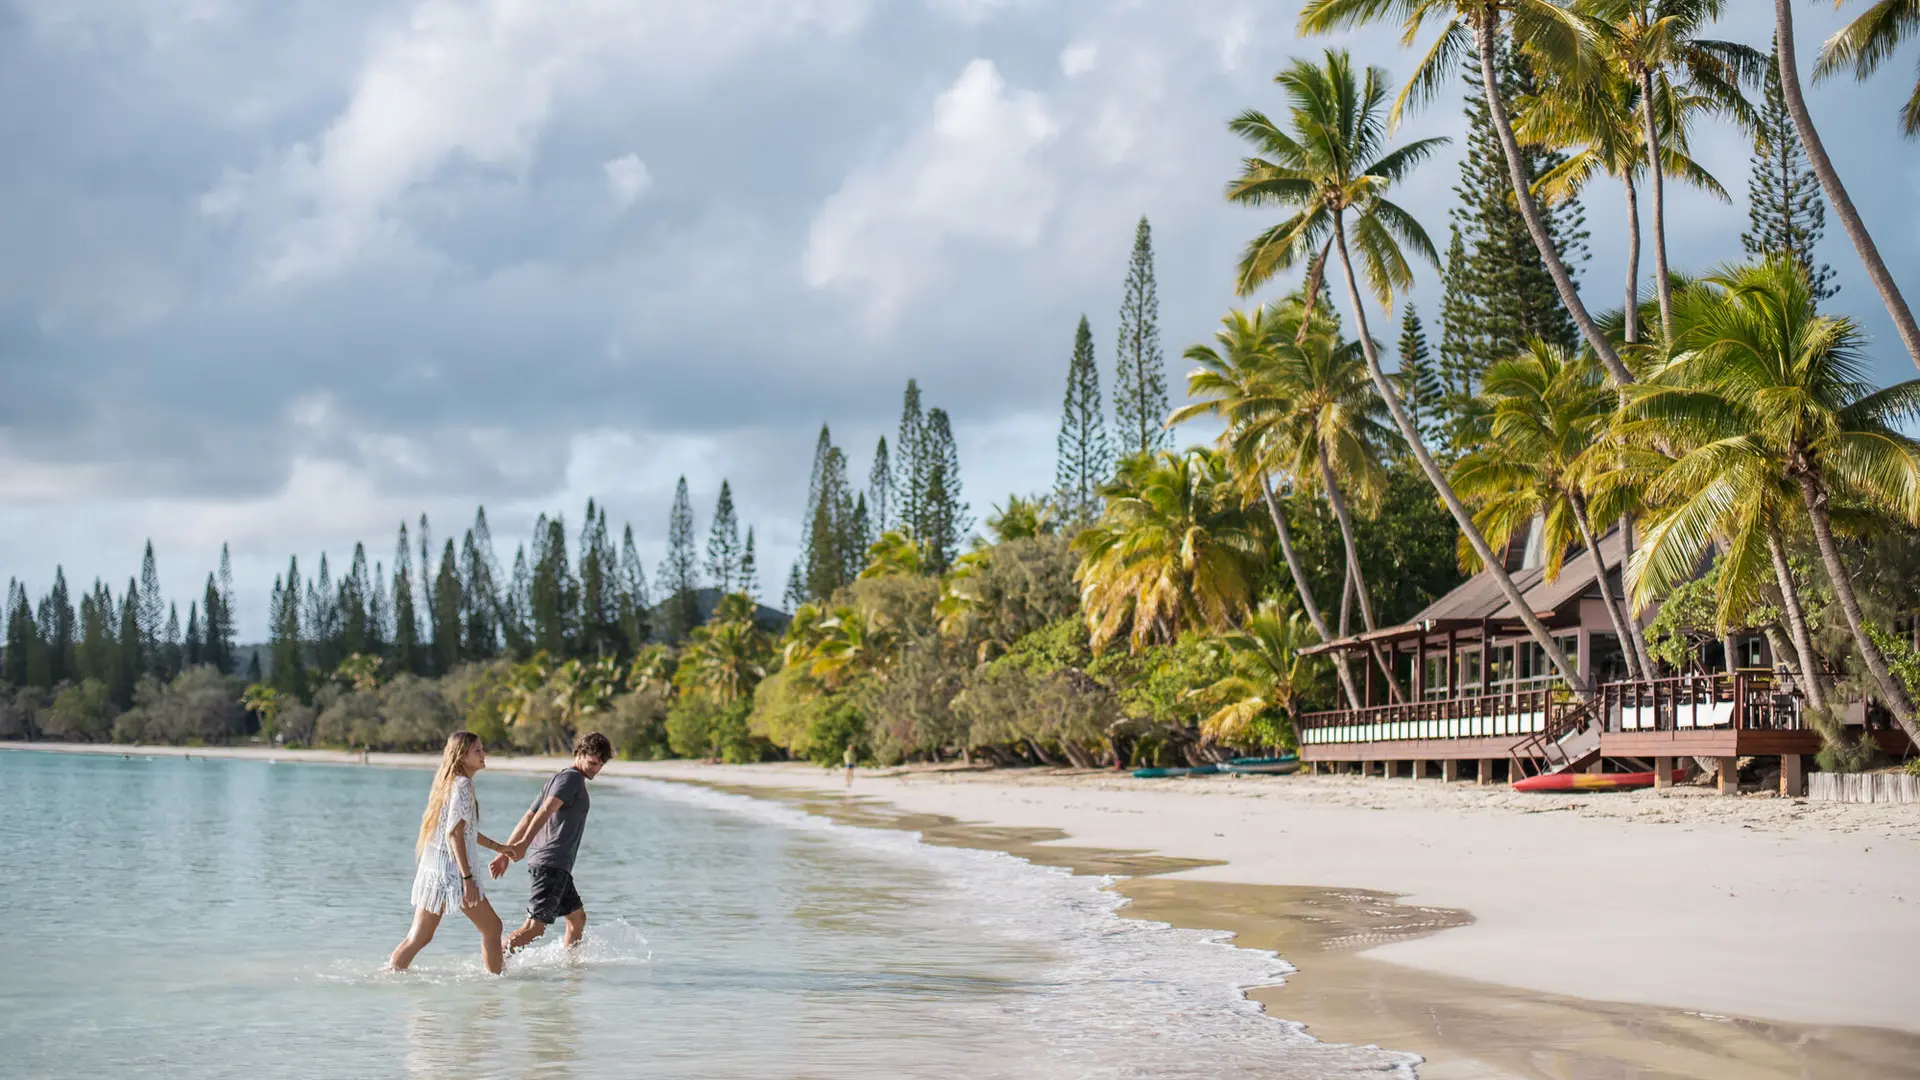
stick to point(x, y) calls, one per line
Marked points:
point(547, 838)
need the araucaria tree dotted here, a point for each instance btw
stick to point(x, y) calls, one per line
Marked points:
point(947, 520)
point(1082, 456)
point(723, 543)
point(1785, 209)
point(680, 572)
point(1140, 376)
point(1333, 170)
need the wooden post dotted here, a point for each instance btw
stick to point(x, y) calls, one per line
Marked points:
point(1729, 775)
point(1449, 770)
point(1369, 692)
point(1793, 775)
point(1484, 772)
point(1420, 667)
point(1662, 768)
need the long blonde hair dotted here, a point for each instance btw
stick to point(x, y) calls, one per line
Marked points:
point(451, 766)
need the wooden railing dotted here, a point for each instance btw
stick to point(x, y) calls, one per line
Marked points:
point(1501, 713)
point(1750, 700)
point(1547, 750)
point(1746, 700)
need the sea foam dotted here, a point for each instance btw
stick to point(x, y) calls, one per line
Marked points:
point(1129, 997)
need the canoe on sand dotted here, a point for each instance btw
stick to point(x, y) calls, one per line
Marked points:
point(1182, 770)
point(1619, 781)
point(1263, 765)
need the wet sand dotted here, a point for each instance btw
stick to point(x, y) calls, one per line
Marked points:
point(1343, 990)
point(1466, 1029)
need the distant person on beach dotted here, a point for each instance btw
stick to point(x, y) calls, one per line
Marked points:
point(848, 758)
point(548, 838)
point(446, 850)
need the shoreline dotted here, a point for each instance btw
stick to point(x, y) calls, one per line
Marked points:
point(1416, 911)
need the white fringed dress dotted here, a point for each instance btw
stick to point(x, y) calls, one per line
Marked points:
point(436, 884)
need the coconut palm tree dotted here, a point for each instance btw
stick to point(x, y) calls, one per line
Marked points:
point(1596, 123)
point(724, 659)
point(1022, 519)
point(1333, 170)
point(1538, 27)
point(1658, 47)
point(1754, 357)
point(1546, 410)
point(1229, 384)
point(1171, 552)
point(1836, 191)
point(1868, 40)
point(1265, 672)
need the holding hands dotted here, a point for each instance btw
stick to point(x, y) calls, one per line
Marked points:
point(508, 852)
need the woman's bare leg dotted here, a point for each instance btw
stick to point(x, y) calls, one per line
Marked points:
point(424, 924)
point(488, 922)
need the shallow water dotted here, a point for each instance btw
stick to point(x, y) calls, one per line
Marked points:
point(231, 918)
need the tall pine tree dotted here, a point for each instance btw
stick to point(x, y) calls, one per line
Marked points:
point(1498, 292)
point(880, 489)
point(1419, 376)
point(407, 654)
point(553, 600)
point(289, 651)
point(152, 612)
point(723, 543)
point(1082, 457)
point(830, 526)
point(635, 622)
point(908, 502)
point(60, 628)
point(749, 568)
point(599, 596)
point(1140, 376)
point(134, 658)
point(947, 518)
point(1785, 207)
point(192, 652)
point(680, 572)
point(447, 612)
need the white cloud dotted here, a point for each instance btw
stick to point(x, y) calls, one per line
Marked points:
point(972, 172)
point(1078, 58)
point(477, 84)
point(627, 179)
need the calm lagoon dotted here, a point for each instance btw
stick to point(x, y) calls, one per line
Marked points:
point(197, 918)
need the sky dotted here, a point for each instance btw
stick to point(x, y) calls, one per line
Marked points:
point(281, 274)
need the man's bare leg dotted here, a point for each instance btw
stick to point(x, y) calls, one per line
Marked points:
point(576, 928)
point(528, 931)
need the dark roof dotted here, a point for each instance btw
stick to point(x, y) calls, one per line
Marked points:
point(1480, 598)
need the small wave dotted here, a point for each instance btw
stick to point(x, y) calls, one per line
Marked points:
point(609, 944)
point(1133, 997)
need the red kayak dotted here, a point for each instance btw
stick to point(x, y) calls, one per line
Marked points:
point(1581, 781)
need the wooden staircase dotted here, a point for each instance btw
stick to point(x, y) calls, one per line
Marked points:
point(1569, 741)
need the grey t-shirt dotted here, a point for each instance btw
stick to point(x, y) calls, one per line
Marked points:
point(559, 839)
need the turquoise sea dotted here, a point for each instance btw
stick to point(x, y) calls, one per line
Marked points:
point(207, 918)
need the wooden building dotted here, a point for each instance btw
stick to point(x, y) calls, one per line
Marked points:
point(1463, 686)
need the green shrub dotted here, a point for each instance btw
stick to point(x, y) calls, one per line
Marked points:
point(833, 727)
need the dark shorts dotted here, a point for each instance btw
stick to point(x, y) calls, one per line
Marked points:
point(554, 896)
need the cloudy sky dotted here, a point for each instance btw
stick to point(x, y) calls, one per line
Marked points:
point(281, 273)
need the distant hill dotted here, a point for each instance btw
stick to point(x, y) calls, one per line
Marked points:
point(772, 620)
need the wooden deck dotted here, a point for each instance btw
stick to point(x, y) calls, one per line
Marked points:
point(1709, 716)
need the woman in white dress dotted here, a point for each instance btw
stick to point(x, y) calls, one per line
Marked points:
point(446, 876)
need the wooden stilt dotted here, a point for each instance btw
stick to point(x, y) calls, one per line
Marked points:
point(1729, 775)
point(1449, 770)
point(1483, 774)
point(1663, 772)
point(1793, 775)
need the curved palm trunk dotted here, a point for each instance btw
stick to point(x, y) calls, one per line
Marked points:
point(1484, 30)
point(1656, 186)
point(1890, 690)
point(1809, 661)
point(1614, 607)
point(1438, 479)
point(1306, 591)
point(1355, 574)
point(1835, 190)
point(1631, 313)
point(1633, 621)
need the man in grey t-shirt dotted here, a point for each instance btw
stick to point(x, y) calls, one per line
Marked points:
point(548, 837)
